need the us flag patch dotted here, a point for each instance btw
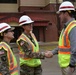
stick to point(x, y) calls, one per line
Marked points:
point(22, 43)
point(1, 52)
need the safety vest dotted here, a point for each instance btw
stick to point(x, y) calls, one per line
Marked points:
point(64, 45)
point(13, 67)
point(25, 60)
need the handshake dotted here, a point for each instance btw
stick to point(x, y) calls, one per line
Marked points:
point(48, 54)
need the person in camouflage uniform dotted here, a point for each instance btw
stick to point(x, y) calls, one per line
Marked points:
point(8, 63)
point(30, 56)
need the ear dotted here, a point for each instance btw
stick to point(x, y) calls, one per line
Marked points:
point(23, 27)
point(4, 34)
point(66, 14)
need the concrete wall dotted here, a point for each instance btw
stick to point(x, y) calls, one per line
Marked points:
point(32, 3)
point(8, 8)
point(37, 2)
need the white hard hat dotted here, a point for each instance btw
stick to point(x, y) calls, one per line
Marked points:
point(25, 20)
point(4, 26)
point(66, 5)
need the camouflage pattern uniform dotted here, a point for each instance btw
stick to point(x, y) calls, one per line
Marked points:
point(27, 70)
point(4, 68)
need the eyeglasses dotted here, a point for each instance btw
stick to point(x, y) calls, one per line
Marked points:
point(8, 30)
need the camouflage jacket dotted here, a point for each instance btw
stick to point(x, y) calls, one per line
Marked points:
point(28, 52)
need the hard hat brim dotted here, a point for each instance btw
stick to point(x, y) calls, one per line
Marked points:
point(12, 28)
point(26, 23)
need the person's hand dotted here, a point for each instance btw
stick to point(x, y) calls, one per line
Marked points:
point(48, 54)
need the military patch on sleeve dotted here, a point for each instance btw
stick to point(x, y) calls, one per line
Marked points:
point(22, 43)
point(1, 52)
